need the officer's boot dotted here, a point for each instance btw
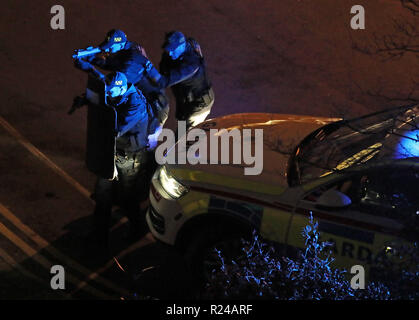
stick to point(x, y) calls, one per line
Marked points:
point(97, 241)
point(101, 235)
point(138, 227)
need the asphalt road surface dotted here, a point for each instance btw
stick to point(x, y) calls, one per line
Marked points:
point(283, 56)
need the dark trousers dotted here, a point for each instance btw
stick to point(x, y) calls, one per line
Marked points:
point(195, 111)
point(131, 188)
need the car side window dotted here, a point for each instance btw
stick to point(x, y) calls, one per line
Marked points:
point(349, 186)
point(391, 192)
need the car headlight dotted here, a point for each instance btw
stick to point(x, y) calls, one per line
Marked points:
point(174, 188)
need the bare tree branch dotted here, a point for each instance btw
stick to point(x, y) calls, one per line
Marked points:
point(411, 5)
point(411, 97)
point(404, 40)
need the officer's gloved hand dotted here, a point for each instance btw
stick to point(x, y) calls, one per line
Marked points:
point(153, 139)
point(162, 82)
point(78, 102)
point(83, 65)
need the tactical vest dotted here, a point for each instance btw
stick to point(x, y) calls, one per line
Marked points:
point(198, 85)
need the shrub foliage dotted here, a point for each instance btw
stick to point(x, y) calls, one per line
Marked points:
point(263, 274)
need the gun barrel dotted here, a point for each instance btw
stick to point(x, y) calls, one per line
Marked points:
point(85, 52)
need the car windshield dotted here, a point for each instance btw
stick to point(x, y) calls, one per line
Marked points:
point(391, 134)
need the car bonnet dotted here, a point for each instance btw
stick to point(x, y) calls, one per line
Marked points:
point(281, 134)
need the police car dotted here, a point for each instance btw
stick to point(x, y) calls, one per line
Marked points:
point(359, 179)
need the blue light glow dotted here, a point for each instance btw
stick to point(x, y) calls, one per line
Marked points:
point(408, 145)
point(178, 51)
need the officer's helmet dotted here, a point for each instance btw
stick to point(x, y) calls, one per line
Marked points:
point(114, 41)
point(175, 44)
point(116, 85)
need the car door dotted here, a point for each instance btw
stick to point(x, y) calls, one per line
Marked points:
point(383, 211)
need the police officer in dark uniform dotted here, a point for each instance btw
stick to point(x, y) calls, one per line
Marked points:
point(132, 159)
point(183, 68)
point(130, 58)
point(134, 164)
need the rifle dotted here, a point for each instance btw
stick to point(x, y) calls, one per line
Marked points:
point(80, 53)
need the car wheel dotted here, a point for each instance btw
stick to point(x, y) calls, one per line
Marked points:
point(201, 255)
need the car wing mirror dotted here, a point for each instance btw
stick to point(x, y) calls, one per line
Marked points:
point(333, 199)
